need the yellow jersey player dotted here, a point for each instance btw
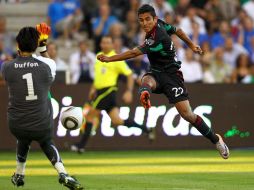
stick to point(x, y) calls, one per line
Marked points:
point(102, 94)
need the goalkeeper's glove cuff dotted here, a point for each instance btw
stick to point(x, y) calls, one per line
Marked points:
point(42, 49)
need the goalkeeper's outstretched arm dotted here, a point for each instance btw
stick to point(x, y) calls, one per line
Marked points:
point(44, 31)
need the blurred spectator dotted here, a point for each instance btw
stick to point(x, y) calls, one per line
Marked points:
point(232, 51)
point(212, 22)
point(242, 69)
point(181, 9)
point(102, 23)
point(7, 38)
point(134, 5)
point(196, 36)
point(218, 38)
point(250, 78)
point(252, 51)
point(237, 22)
point(75, 16)
point(118, 45)
point(52, 50)
point(3, 57)
point(161, 8)
point(169, 18)
point(249, 7)
point(192, 70)
point(116, 31)
point(186, 21)
point(131, 29)
point(219, 69)
point(82, 64)
point(246, 34)
point(65, 17)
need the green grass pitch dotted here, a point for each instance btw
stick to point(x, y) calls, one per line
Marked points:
point(138, 170)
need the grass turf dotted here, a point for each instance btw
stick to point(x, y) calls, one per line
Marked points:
point(138, 170)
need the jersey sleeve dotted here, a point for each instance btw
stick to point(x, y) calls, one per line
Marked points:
point(169, 28)
point(50, 62)
point(123, 68)
point(144, 48)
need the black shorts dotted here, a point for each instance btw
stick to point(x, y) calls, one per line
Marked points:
point(105, 99)
point(170, 84)
point(29, 136)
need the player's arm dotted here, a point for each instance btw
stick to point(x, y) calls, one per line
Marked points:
point(195, 48)
point(120, 57)
point(44, 31)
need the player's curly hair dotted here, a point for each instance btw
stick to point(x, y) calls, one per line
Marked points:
point(146, 8)
point(27, 39)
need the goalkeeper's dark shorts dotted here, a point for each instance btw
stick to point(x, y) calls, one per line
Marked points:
point(170, 84)
point(28, 136)
point(105, 99)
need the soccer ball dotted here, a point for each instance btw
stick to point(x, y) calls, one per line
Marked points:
point(72, 118)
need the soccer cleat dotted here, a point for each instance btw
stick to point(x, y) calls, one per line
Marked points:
point(18, 180)
point(70, 182)
point(145, 99)
point(75, 148)
point(222, 148)
point(151, 134)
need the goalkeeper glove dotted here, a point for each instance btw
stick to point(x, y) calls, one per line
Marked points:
point(44, 31)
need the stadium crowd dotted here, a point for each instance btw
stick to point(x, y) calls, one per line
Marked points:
point(223, 29)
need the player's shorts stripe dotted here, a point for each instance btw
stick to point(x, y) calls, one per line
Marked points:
point(103, 95)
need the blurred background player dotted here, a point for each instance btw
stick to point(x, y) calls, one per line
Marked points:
point(164, 76)
point(103, 93)
point(30, 113)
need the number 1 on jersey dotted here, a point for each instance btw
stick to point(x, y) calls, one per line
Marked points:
point(30, 86)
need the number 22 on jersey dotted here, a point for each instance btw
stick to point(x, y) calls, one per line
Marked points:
point(30, 86)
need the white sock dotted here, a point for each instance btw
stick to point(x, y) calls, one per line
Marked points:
point(60, 167)
point(20, 168)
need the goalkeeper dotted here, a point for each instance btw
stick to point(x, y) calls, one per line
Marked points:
point(30, 114)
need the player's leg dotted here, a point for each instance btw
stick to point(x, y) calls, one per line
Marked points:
point(23, 147)
point(148, 83)
point(79, 147)
point(49, 149)
point(184, 109)
point(116, 120)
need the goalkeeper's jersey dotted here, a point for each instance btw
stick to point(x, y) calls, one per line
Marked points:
point(106, 74)
point(29, 80)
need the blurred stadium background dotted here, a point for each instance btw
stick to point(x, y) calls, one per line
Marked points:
point(220, 83)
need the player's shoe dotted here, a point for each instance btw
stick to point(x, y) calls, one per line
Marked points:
point(145, 99)
point(151, 134)
point(222, 148)
point(69, 181)
point(18, 180)
point(75, 148)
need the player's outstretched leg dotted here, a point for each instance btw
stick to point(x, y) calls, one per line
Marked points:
point(222, 148)
point(148, 84)
point(53, 155)
point(185, 111)
point(69, 181)
point(145, 99)
point(18, 180)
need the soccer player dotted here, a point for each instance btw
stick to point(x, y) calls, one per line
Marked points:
point(103, 94)
point(30, 113)
point(164, 76)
